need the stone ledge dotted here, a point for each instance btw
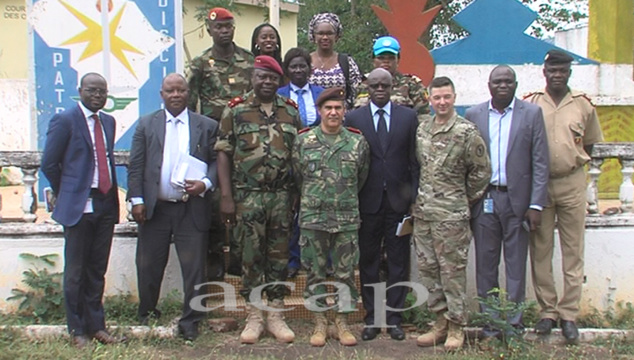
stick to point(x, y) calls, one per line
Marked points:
point(29, 230)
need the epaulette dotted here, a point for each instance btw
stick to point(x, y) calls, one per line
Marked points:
point(236, 100)
point(416, 78)
point(304, 130)
point(532, 94)
point(354, 130)
point(583, 95)
point(363, 95)
point(292, 103)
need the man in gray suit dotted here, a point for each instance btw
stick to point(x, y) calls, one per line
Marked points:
point(516, 139)
point(167, 213)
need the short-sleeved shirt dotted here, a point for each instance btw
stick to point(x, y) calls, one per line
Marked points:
point(454, 169)
point(259, 145)
point(570, 126)
point(215, 82)
point(407, 90)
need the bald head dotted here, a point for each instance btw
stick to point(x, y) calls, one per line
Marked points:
point(379, 86)
point(175, 91)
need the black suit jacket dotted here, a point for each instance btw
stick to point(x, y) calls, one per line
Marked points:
point(146, 159)
point(397, 167)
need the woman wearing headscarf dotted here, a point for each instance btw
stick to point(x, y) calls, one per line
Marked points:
point(266, 40)
point(331, 68)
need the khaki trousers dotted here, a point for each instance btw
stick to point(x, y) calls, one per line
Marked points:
point(567, 205)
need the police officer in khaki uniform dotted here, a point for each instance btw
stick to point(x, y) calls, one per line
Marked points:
point(572, 127)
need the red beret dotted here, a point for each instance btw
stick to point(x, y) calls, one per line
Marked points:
point(219, 14)
point(333, 93)
point(267, 63)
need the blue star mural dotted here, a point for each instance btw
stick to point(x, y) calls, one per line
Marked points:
point(497, 36)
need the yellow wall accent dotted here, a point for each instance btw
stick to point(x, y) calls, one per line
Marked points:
point(611, 31)
point(617, 124)
point(197, 39)
point(13, 40)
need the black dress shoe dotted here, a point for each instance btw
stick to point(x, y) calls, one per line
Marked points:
point(570, 332)
point(544, 326)
point(80, 341)
point(189, 333)
point(369, 333)
point(292, 272)
point(396, 333)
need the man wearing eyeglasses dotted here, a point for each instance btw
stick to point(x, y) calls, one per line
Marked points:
point(218, 75)
point(386, 197)
point(78, 161)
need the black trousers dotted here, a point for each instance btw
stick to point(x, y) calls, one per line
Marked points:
point(376, 228)
point(86, 253)
point(171, 222)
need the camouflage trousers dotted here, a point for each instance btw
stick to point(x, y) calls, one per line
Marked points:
point(442, 248)
point(219, 236)
point(263, 225)
point(344, 249)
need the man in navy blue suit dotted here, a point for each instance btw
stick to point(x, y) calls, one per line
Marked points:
point(297, 65)
point(78, 161)
point(386, 197)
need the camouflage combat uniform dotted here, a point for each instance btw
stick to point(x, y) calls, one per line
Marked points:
point(259, 147)
point(330, 169)
point(215, 83)
point(454, 172)
point(407, 90)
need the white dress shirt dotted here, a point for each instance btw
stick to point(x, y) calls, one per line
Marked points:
point(499, 132)
point(375, 115)
point(311, 112)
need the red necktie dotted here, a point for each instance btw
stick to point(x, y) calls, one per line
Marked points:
point(102, 163)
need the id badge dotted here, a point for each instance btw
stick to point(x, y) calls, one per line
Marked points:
point(488, 206)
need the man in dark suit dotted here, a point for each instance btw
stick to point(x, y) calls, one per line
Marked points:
point(297, 65)
point(516, 140)
point(385, 198)
point(78, 161)
point(166, 212)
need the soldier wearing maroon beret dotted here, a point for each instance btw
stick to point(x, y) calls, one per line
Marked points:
point(218, 75)
point(257, 131)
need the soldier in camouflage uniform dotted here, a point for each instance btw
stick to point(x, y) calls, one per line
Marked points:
point(257, 132)
point(407, 90)
point(220, 74)
point(331, 164)
point(454, 173)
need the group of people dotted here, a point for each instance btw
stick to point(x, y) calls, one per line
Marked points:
point(301, 153)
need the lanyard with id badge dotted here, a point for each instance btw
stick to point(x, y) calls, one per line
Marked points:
point(487, 204)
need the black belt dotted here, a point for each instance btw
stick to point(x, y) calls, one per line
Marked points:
point(498, 188)
point(170, 202)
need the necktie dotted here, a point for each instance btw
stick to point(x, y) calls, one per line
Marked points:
point(302, 106)
point(381, 129)
point(104, 184)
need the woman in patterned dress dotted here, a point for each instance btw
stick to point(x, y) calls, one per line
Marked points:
point(324, 30)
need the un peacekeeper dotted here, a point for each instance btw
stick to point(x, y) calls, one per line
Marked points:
point(331, 164)
point(454, 173)
point(220, 74)
point(257, 132)
point(572, 128)
point(407, 90)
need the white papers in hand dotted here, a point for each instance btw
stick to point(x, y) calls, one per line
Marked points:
point(187, 168)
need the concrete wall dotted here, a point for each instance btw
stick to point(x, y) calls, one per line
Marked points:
point(609, 267)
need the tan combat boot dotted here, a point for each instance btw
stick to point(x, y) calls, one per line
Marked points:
point(276, 325)
point(254, 327)
point(455, 337)
point(436, 335)
point(343, 332)
point(321, 330)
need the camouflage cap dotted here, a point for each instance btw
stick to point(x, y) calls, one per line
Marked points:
point(557, 57)
point(219, 14)
point(333, 93)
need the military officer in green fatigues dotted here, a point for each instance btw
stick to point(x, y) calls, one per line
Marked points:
point(407, 90)
point(454, 173)
point(331, 164)
point(257, 132)
point(220, 74)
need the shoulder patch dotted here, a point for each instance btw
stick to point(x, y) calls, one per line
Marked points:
point(236, 100)
point(583, 95)
point(292, 103)
point(304, 130)
point(354, 130)
point(532, 94)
